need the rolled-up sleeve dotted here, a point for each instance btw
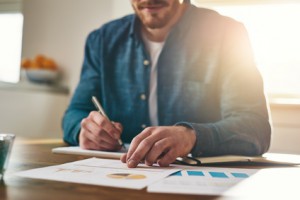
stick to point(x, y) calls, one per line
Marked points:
point(81, 105)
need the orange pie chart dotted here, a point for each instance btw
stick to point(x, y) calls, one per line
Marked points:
point(126, 176)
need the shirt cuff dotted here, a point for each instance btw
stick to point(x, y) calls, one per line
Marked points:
point(73, 137)
point(205, 138)
point(76, 135)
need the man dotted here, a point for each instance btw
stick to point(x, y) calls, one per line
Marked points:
point(185, 73)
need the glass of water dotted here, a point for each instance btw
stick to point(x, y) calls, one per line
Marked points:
point(6, 143)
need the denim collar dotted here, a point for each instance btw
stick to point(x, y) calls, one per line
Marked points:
point(134, 25)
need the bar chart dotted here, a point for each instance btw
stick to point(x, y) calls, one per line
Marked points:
point(213, 174)
point(202, 180)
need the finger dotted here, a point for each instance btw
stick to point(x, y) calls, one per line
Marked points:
point(85, 143)
point(85, 136)
point(137, 140)
point(158, 149)
point(118, 126)
point(105, 124)
point(97, 144)
point(99, 125)
point(112, 130)
point(105, 137)
point(104, 146)
point(105, 141)
point(124, 158)
point(89, 125)
point(144, 134)
point(98, 136)
point(96, 133)
point(142, 150)
point(167, 159)
point(95, 116)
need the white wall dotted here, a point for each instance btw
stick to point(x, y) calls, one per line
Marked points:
point(58, 28)
point(286, 129)
point(121, 8)
point(32, 114)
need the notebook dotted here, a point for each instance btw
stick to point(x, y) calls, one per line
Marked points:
point(76, 150)
point(267, 158)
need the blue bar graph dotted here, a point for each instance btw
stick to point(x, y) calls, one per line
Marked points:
point(240, 175)
point(177, 174)
point(195, 173)
point(213, 174)
point(218, 174)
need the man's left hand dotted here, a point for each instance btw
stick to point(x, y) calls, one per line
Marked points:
point(162, 145)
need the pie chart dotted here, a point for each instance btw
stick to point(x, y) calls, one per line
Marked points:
point(127, 176)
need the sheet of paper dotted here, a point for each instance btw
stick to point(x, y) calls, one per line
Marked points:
point(105, 172)
point(76, 150)
point(202, 180)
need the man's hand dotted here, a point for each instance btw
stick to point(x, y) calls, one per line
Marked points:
point(98, 133)
point(160, 145)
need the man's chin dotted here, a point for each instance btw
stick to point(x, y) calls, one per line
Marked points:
point(154, 25)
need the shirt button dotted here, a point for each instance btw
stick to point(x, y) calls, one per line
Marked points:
point(143, 97)
point(144, 126)
point(146, 62)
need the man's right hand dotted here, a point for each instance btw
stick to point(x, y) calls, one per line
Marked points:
point(98, 133)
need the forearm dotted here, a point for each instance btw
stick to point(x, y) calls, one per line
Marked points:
point(79, 108)
point(71, 125)
point(242, 135)
point(81, 104)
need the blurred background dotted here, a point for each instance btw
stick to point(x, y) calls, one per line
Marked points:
point(49, 35)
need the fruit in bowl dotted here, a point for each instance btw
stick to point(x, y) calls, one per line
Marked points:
point(40, 69)
point(41, 75)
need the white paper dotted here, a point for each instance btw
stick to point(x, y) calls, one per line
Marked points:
point(104, 172)
point(202, 180)
point(76, 150)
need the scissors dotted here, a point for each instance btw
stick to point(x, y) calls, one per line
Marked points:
point(188, 160)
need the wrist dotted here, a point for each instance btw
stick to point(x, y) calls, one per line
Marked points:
point(191, 138)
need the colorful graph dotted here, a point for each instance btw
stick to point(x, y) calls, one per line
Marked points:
point(203, 180)
point(126, 176)
point(211, 174)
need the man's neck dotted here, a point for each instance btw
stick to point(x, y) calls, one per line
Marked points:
point(160, 34)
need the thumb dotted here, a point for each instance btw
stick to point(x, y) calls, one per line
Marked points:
point(118, 126)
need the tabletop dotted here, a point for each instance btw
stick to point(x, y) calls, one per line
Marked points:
point(37, 153)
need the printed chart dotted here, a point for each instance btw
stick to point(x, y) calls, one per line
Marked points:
point(105, 172)
point(126, 176)
point(202, 181)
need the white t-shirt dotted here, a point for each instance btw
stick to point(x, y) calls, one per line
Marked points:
point(154, 50)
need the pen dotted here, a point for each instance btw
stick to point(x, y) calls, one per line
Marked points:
point(101, 111)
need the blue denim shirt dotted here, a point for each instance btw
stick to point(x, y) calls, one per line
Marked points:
point(207, 80)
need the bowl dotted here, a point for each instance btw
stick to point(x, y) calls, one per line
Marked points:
point(41, 75)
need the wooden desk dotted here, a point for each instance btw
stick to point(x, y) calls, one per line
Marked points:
point(35, 154)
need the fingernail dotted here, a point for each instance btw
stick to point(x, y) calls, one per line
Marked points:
point(131, 164)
